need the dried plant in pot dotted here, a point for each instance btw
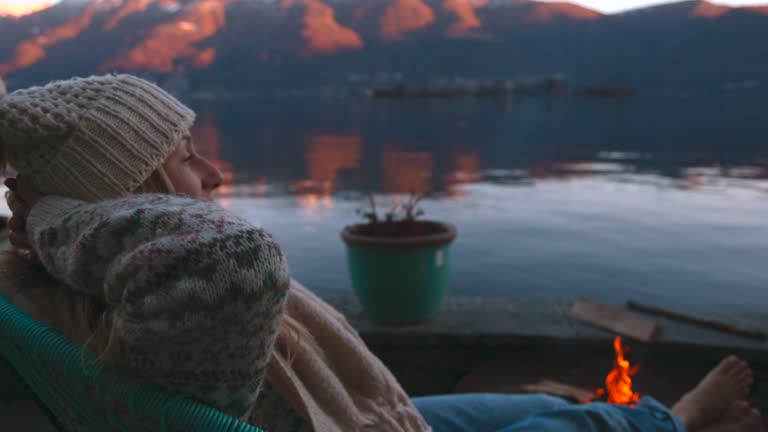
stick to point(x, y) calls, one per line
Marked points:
point(399, 265)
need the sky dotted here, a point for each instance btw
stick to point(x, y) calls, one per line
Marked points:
point(605, 6)
point(613, 6)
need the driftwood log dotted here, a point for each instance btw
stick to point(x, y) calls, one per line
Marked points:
point(701, 322)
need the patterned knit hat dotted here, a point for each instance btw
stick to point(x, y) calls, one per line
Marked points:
point(91, 138)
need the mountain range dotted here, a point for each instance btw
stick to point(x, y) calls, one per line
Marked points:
point(256, 45)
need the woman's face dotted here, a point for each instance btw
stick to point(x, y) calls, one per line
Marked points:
point(191, 174)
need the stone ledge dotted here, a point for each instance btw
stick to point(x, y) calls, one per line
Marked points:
point(510, 321)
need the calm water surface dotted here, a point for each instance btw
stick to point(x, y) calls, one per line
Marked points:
point(655, 199)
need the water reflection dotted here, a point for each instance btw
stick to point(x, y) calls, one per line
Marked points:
point(405, 172)
point(658, 200)
point(314, 204)
point(326, 148)
point(327, 154)
point(330, 162)
point(661, 202)
point(465, 168)
point(206, 137)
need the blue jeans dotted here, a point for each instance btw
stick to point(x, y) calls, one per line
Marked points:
point(540, 413)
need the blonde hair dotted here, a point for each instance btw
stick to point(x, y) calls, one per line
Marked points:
point(84, 318)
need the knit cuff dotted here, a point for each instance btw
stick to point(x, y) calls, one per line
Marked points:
point(48, 211)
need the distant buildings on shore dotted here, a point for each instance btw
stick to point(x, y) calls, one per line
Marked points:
point(552, 85)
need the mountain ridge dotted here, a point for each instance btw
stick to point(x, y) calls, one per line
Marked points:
point(298, 43)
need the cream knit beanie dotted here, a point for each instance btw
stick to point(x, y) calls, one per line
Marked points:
point(91, 138)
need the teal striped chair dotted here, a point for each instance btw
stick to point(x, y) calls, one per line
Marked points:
point(77, 394)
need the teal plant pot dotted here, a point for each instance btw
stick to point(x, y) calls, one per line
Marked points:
point(399, 280)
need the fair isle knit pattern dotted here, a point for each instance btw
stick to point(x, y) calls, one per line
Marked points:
point(194, 293)
point(91, 138)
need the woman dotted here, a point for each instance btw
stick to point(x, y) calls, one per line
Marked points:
point(154, 278)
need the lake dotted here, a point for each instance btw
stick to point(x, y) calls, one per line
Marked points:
point(661, 199)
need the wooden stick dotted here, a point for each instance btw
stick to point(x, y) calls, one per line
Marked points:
point(708, 323)
point(615, 319)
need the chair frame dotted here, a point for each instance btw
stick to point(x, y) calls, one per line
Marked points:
point(32, 349)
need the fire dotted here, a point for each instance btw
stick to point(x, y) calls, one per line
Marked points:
point(323, 33)
point(619, 380)
point(32, 50)
point(20, 8)
point(403, 16)
point(176, 40)
point(465, 12)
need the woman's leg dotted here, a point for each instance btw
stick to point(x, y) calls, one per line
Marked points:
point(728, 382)
point(484, 412)
point(704, 407)
point(740, 417)
point(698, 410)
point(649, 415)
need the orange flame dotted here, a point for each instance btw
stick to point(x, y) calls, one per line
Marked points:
point(170, 42)
point(619, 380)
point(465, 12)
point(32, 50)
point(18, 9)
point(324, 35)
point(403, 16)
